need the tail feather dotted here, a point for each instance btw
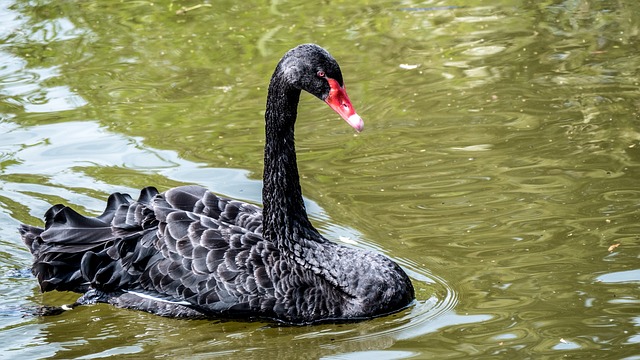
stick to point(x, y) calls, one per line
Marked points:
point(58, 249)
point(29, 235)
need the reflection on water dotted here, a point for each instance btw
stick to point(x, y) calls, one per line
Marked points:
point(499, 164)
point(26, 86)
point(629, 276)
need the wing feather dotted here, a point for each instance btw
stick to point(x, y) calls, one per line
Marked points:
point(184, 246)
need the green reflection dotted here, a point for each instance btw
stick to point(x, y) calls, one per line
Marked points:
point(501, 153)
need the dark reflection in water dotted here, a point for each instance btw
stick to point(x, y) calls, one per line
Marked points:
point(499, 164)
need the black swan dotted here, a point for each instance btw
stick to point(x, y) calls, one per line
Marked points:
point(189, 253)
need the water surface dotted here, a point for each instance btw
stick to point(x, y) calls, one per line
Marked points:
point(499, 164)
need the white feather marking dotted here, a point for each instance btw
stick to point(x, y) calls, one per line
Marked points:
point(146, 296)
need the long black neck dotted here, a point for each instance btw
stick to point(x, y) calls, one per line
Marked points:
point(285, 220)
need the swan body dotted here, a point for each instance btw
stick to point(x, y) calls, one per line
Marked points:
point(189, 253)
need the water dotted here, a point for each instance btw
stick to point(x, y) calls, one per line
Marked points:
point(498, 165)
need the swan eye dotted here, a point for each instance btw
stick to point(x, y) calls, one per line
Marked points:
point(321, 73)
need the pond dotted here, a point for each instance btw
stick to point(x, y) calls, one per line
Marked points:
point(499, 164)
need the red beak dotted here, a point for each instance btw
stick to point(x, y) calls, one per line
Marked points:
point(339, 101)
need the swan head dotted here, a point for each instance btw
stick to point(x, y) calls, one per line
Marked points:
point(311, 68)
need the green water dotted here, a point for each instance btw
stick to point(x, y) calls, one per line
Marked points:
point(499, 164)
